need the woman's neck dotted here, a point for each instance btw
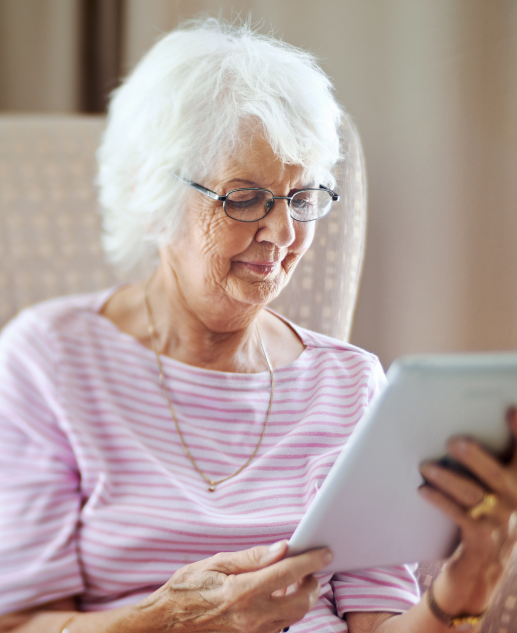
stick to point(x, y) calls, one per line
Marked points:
point(217, 337)
point(213, 335)
point(203, 333)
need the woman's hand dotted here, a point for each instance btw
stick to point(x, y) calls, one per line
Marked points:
point(469, 579)
point(234, 592)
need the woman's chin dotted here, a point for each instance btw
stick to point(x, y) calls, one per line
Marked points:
point(259, 292)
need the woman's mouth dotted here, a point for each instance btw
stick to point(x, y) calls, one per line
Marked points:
point(259, 267)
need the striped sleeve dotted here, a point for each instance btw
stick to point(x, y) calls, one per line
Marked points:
point(390, 589)
point(39, 496)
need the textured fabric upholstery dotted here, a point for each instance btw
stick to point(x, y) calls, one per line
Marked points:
point(49, 246)
point(49, 228)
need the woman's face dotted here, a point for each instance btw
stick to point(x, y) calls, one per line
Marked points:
point(224, 265)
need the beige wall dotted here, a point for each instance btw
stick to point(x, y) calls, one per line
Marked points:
point(39, 55)
point(432, 85)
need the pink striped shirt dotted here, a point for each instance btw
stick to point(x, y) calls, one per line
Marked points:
point(97, 498)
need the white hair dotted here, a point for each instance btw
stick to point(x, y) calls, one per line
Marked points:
point(182, 110)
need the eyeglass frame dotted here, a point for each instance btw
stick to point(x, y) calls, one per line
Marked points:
point(214, 196)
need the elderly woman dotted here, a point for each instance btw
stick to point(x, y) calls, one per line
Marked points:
point(150, 427)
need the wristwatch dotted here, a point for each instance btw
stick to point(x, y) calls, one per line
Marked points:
point(463, 622)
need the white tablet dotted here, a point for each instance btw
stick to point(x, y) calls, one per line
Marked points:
point(368, 510)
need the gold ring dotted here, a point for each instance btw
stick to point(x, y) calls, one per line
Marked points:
point(484, 507)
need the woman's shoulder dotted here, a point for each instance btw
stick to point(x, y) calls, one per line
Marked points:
point(317, 341)
point(54, 316)
point(324, 342)
point(330, 357)
point(327, 345)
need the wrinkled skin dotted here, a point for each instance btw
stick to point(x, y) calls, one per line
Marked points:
point(237, 592)
point(210, 255)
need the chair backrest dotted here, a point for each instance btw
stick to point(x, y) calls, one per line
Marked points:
point(50, 228)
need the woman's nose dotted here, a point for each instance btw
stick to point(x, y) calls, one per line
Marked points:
point(278, 225)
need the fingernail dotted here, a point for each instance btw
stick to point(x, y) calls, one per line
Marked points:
point(430, 471)
point(285, 629)
point(459, 446)
point(328, 557)
point(276, 546)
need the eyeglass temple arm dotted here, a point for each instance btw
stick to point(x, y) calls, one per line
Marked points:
point(201, 189)
point(215, 196)
point(335, 196)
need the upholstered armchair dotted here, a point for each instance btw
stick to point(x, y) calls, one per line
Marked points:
point(49, 246)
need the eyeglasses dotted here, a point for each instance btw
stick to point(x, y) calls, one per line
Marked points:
point(251, 204)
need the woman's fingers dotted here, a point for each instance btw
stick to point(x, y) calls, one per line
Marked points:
point(290, 608)
point(291, 570)
point(494, 534)
point(462, 496)
point(267, 567)
point(497, 478)
point(257, 580)
point(256, 603)
point(248, 560)
point(464, 491)
point(493, 476)
point(295, 605)
point(481, 536)
point(445, 504)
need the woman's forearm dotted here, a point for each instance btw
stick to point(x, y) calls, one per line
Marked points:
point(417, 619)
point(121, 620)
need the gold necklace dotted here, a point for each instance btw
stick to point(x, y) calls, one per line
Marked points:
point(211, 483)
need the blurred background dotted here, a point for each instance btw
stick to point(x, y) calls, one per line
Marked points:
point(432, 86)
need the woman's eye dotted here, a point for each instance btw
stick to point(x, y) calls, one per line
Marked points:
point(302, 203)
point(242, 200)
point(244, 204)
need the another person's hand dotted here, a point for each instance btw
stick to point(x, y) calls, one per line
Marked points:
point(235, 592)
point(488, 531)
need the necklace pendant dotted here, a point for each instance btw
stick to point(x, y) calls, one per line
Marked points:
point(211, 487)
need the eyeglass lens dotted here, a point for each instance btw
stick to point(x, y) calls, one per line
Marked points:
point(249, 205)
